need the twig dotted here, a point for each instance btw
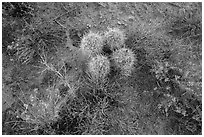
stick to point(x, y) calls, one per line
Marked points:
point(60, 24)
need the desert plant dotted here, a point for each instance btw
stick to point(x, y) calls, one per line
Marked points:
point(114, 38)
point(42, 111)
point(124, 59)
point(91, 44)
point(99, 67)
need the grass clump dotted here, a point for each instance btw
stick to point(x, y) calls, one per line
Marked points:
point(114, 38)
point(124, 59)
point(99, 67)
point(91, 44)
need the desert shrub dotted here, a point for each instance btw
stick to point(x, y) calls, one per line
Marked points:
point(91, 44)
point(114, 38)
point(124, 59)
point(179, 103)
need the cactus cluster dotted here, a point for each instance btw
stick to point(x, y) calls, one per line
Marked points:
point(99, 65)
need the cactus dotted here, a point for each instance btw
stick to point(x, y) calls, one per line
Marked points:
point(124, 59)
point(99, 67)
point(91, 44)
point(114, 38)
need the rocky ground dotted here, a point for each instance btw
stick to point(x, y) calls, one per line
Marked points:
point(46, 91)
